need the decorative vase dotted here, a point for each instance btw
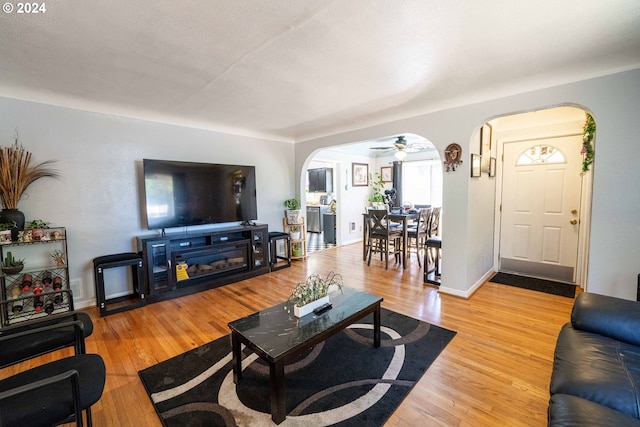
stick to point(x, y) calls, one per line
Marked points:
point(7, 216)
point(306, 309)
point(294, 216)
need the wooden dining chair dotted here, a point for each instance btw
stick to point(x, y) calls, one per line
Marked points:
point(383, 237)
point(420, 232)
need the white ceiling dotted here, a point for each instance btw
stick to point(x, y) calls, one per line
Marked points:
point(294, 69)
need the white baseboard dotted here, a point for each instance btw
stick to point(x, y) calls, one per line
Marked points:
point(468, 292)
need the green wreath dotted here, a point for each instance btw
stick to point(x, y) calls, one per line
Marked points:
point(588, 132)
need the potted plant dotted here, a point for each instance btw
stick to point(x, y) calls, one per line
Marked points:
point(296, 249)
point(293, 212)
point(58, 257)
point(37, 227)
point(313, 293)
point(296, 232)
point(11, 265)
point(17, 173)
point(377, 189)
point(5, 232)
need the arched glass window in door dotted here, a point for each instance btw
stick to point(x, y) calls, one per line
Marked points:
point(540, 154)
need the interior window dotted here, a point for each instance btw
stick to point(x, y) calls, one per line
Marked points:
point(540, 154)
point(422, 182)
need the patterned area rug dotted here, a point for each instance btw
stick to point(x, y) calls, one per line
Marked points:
point(344, 381)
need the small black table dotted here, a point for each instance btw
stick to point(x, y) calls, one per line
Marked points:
point(276, 335)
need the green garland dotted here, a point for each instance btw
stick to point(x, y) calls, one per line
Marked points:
point(588, 132)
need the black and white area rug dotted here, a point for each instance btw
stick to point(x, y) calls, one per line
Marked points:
point(343, 381)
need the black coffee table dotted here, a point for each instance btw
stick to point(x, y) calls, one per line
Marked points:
point(276, 335)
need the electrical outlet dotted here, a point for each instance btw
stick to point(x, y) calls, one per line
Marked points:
point(76, 287)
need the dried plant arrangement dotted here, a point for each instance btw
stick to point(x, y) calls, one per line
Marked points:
point(17, 173)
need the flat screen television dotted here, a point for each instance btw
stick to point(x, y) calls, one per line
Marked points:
point(179, 194)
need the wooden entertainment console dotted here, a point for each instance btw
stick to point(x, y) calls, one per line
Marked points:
point(184, 263)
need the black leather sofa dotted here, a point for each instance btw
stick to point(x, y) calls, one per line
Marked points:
point(596, 367)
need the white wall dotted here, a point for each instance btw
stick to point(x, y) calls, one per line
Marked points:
point(99, 194)
point(613, 100)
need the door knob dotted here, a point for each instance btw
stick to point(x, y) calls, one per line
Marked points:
point(573, 221)
point(574, 211)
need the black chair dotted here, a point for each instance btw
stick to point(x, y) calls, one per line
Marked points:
point(56, 392)
point(434, 228)
point(420, 231)
point(78, 326)
point(383, 236)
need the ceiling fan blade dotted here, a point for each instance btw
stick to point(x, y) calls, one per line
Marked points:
point(414, 148)
point(381, 148)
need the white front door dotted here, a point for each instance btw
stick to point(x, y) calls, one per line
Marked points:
point(540, 207)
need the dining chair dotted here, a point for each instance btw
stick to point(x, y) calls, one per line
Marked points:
point(435, 222)
point(383, 236)
point(420, 232)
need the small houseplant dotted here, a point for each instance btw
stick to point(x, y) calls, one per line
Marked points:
point(58, 257)
point(11, 265)
point(313, 292)
point(377, 189)
point(37, 227)
point(293, 212)
point(5, 231)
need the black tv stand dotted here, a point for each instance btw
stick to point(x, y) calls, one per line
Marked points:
point(183, 263)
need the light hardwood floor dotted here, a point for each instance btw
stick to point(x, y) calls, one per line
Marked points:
point(495, 372)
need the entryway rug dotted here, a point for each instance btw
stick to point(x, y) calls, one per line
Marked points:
point(534, 284)
point(343, 381)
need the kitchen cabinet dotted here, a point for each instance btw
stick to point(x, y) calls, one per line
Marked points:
point(320, 180)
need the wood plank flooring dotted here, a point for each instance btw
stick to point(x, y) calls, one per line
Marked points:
point(495, 372)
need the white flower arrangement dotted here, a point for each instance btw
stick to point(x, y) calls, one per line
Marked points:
point(314, 288)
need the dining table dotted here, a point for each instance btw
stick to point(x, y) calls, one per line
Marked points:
point(402, 219)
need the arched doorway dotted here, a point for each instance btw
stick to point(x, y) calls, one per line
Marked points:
point(352, 200)
point(543, 200)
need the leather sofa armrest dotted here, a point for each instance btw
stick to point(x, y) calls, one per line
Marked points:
point(613, 317)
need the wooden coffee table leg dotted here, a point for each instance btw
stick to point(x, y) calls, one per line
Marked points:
point(236, 356)
point(276, 391)
point(376, 327)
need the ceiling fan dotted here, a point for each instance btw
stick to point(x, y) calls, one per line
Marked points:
point(402, 147)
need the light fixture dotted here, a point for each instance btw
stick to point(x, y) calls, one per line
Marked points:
point(400, 155)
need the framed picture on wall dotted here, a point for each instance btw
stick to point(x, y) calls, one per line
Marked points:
point(492, 166)
point(475, 166)
point(386, 172)
point(485, 146)
point(359, 174)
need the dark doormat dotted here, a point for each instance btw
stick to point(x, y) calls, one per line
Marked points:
point(343, 381)
point(534, 284)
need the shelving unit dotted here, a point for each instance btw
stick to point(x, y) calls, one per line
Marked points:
point(41, 271)
point(298, 246)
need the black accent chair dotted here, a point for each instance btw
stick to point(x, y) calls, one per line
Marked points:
point(56, 392)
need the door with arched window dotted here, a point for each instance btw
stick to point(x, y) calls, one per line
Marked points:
point(541, 193)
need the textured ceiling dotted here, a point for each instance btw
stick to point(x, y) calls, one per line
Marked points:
point(294, 69)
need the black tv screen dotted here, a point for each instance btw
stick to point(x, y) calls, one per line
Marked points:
point(179, 194)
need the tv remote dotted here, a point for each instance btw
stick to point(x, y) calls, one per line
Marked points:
point(322, 308)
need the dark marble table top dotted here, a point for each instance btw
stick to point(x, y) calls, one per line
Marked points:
point(276, 331)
